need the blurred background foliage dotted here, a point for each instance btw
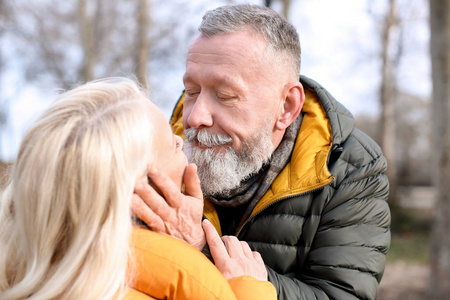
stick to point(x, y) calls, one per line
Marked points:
point(383, 75)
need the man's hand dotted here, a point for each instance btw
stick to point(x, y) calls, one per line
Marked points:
point(174, 213)
point(232, 257)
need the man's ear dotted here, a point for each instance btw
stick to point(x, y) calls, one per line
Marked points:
point(293, 97)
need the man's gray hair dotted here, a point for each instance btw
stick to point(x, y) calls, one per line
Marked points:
point(280, 35)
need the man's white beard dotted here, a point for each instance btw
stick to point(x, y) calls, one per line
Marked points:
point(222, 170)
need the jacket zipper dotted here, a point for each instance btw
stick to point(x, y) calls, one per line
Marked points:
point(334, 147)
point(276, 201)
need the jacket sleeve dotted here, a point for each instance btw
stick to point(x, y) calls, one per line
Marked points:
point(167, 268)
point(247, 287)
point(347, 256)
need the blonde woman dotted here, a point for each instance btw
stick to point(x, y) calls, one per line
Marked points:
point(65, 226)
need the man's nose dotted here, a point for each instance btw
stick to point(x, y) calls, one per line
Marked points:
point(200, 113)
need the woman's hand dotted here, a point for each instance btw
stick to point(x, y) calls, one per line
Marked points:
point(232, 257)
point(174, 213)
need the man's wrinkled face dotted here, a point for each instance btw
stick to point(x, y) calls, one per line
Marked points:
point(231, 101)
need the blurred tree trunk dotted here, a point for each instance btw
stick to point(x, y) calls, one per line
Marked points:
point(142, 55)
point(286, 7)
point(87, 41)
point(440, 64)
point(4, 111)
point(388, 89)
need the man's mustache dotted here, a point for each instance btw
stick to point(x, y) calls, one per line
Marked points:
point(206, 138)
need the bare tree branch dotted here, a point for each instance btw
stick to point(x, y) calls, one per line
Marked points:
point(87, 41)
point(142, 55)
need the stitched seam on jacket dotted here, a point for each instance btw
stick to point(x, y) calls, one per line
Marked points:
point(276, 244)
point(368, 150)
point(362, 179)
point(360, 166)
point(285, 214)
point(345, 268)
point(349, 226)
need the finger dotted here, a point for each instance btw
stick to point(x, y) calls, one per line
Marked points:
point(216, 246)
point(169, 189)
point(246, 249)
point(257, 256)
point(153, 200)
point(233, 246)
point(143, 212)
point(192, 182)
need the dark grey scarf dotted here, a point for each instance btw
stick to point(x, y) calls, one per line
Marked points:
point(254, 188)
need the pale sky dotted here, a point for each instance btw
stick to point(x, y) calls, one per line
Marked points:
point(339, 48)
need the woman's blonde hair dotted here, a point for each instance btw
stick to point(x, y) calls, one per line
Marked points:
point(64, 219)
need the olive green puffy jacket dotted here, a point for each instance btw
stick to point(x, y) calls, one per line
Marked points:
point(323, 226)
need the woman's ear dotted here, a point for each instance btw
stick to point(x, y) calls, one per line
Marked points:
point(291, 104)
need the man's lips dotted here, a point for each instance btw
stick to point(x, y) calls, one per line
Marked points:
point(203, 146)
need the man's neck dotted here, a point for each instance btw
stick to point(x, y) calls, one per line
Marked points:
point(277, 137)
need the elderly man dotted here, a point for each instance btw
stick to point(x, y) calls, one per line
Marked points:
point(281, 164)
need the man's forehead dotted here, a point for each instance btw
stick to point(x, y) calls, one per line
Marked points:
point(215, 77)
point(240, 44)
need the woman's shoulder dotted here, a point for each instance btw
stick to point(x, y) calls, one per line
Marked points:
point(165, 267)
point(168, 268)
